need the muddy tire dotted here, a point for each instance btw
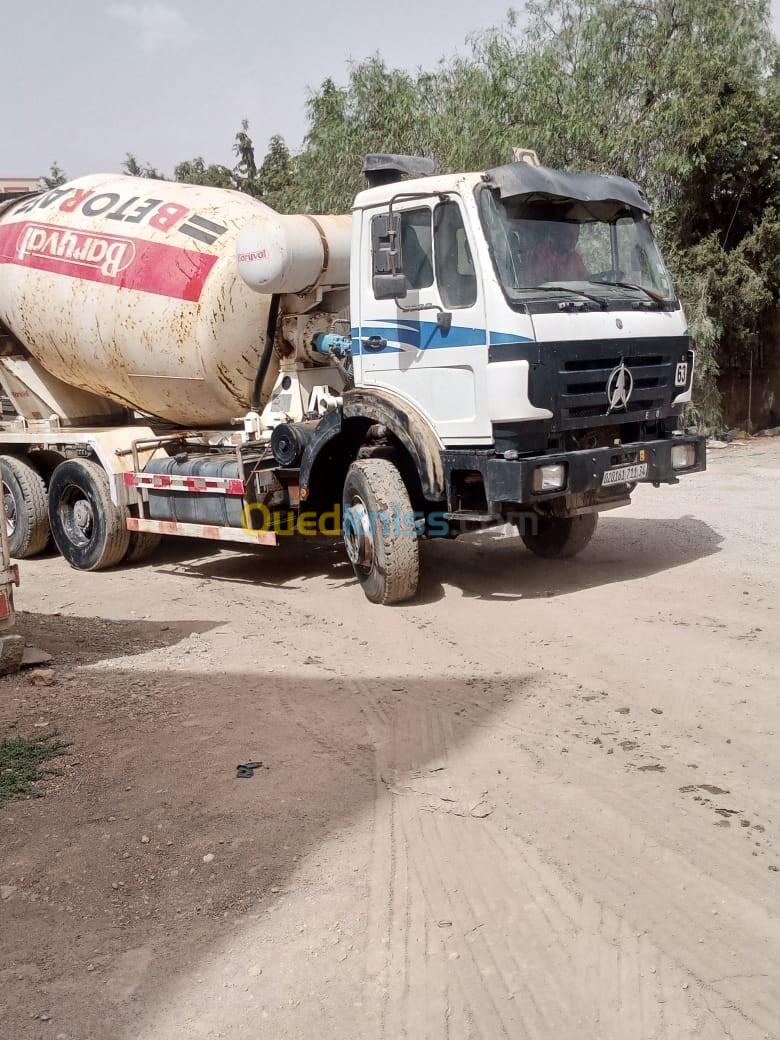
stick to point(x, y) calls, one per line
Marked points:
point(379, 531)
point(26, 507)
point(557, 538)
point(88, 529)
point(143, 544)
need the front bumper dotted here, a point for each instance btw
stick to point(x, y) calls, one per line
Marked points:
point(511, 481)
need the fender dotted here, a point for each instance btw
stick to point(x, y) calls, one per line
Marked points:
point(328, 428)
point(410, 427)
point(405, 423)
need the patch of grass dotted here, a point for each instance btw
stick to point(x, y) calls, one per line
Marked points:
point(21, 761)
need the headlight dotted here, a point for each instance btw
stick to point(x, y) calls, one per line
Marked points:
point(683, 456)
point(549, 478)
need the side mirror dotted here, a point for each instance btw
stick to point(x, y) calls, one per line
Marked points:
point(387, 258)
point(389, 286)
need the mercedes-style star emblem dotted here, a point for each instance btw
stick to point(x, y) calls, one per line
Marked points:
point(620, 386)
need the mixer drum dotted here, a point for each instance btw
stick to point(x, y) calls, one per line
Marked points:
point(128, 288)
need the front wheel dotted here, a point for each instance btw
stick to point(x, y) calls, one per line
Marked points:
point(380, 533)
point(88, 529)
point(558, 537)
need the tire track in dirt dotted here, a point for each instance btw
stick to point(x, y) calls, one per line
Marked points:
point(588, 770)
point(688, 946)
point(529, 960)
point(593, 771)
point(611, 1014)
point(385, 943)
point(490, 946)
point(642, 988)
point(637, 979)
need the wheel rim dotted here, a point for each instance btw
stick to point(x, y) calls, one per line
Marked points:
point(358, 535)
point(10, 509)
point(77, 516)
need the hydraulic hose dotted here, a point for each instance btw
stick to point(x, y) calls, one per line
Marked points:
point(265, 359)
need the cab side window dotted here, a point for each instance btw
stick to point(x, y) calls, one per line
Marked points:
point(454, 265)
point(417, 248)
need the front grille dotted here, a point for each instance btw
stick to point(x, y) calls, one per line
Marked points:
point(583, 391)
point(571, 379)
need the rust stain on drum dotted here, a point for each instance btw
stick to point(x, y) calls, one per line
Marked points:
point(231, 388)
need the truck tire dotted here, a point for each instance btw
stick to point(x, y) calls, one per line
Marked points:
point(26, 507)
point(142, 545)
point(559, 537)
point(88, 529)
point(379, 533)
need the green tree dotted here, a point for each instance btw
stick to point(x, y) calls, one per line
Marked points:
point(245, 170)
point(195, 171)
point(276, 175)
point(56, 176)
point(133, 168)
point(381, 110)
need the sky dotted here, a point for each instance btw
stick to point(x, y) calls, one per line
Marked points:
point(87, 81)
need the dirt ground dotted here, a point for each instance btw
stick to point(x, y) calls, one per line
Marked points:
point(541, 801)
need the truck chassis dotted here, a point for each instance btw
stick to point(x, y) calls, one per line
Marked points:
point(129, 485)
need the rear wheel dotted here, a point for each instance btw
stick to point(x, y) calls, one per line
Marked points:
point(379, 531)
point(27, 518)
point(142, 545)
point(558, 537)
point(88, 529)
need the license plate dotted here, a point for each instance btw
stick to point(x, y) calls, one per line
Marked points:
point(625, 474)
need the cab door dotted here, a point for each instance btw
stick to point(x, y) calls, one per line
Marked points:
point(430, 346)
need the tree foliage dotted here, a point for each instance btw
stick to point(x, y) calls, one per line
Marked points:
point(133, 168)
point(680, 95)
point(196, 171)
point(244, 150)
point(56, 176)
point(276, 175)
point(271, 181)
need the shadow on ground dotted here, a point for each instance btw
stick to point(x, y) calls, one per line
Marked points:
point(113, 904)
point(489, 565)
point(73, 640)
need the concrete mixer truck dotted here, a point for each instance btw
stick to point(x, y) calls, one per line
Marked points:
point(461, 350)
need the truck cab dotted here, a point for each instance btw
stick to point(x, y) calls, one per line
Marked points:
point(526, 317)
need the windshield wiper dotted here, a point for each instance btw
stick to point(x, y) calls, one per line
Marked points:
point(630, 285)
point(562, 288)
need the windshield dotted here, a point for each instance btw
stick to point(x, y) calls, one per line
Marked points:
point(542, 244)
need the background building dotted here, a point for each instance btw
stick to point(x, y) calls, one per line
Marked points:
point(20, 185)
